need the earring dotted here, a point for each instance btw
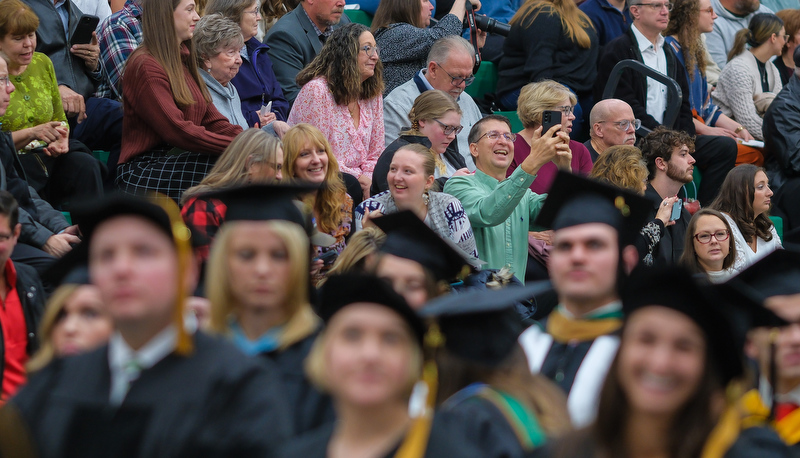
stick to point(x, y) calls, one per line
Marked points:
point(426, 198)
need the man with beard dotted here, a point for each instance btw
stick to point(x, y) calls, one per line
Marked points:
point(734, 15)
point(613, 123)
point(296, 39)
point(668, 155)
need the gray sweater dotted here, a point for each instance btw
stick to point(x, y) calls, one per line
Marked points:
point(226, 100)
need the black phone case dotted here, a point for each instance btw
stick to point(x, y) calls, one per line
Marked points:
point(550, 118)
point(82, 34)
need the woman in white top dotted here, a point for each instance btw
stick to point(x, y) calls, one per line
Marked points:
point(744, 200)
point(750, 80)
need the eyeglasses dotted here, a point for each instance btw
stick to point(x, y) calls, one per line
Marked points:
point(371, 50)
point(456, 81)
point(785, 37)
point(4, 81)
point(566, 109)
point(656, 6)
point(450, 129)
point(254, 12)
point(705, 237)
point(709, 10)
point(625, 124)
point(494, 135)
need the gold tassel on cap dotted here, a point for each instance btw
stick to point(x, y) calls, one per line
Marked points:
point(182, 237)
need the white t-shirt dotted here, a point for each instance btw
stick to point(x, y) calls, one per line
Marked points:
point(745, 256)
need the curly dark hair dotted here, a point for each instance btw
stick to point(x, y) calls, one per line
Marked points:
point(338, 63)
point(662, 142)
point(736, 199)
point(683, 25)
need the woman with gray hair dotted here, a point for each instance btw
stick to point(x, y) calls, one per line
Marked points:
point(218, 41)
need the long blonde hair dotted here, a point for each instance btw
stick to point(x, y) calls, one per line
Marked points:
point(573, 20)
point(301, 321)
point(55, 305)
point(252, 146)
point(328, 200)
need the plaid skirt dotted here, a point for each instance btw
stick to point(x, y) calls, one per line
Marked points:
point(169, 174)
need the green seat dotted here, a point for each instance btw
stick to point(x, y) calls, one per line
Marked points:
point(485, 81)
point(361, 17)
point(778, 222)
point(516, 124)
point(68, 216)
point(101, 156)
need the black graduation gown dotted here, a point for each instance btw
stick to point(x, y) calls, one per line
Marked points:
point(484, 424)
point(752, 442)
point(310, 407)
point(216, 402)
point(446, 440)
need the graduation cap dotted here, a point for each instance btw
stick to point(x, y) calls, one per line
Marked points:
point(339, 291)
point(481, 325)
point(673, 287)
point(409, 237)
point(164, 213)
point(265, 202)
point(574, 200)
point(776, 274)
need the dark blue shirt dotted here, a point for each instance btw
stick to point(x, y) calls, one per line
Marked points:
point(608, 21)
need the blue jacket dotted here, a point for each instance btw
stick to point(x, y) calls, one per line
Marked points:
point(257, 84)
point(609, 21)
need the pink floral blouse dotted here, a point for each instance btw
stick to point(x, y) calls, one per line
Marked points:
point(356, 149)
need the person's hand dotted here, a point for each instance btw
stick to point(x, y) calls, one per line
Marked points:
point(201, 307)
point(57, 148)
point(744, 135)
point(563, 159)
point(462, 172)
point(316, 267)
point(721, 132)
point(476, 4)
point(665, 210)
point(365, 183)
point(73, 230)
point(265, 119)
point(544, 148)
point(90, 53)
point(481, 38)
point(544, 236)
point(366, 221)
point(59, 244)
point(48, 132)
point(73, 103)
point(280, 128)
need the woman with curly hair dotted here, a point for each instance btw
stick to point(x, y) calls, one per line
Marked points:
point(549, 39)
point(341, 95)
point(750, 81)
point(309, 159)
point(688, 20)
point(622, 166)
point(744, 199)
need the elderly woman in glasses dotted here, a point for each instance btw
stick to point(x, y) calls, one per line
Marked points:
point(341, 95)
point(534, 100)
point(435, 121)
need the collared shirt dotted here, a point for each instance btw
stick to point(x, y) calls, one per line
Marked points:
point(63, 13)
point(121, 357)
point(765, 391)
point(15, 336)
point(604, 311)
point(655, 58)
point(118, 36)
point(501, 214)
point(328, 31)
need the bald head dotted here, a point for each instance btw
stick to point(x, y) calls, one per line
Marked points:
point(605, 119)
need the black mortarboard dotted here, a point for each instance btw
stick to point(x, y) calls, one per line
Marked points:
point(89, 215)
point(482, 325)
point(675, 288)
point(574, 200)
point(70, 269)
point(409, 237)
point(265, 202)
point(342, 290)
point(776, 274)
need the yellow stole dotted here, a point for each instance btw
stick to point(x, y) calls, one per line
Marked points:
point(564, 329)
point(788, 427)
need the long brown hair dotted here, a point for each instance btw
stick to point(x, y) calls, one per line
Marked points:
point(397, 11)
point(573, 20)
point(337, 62)
point(761, 28)
point(512, 376)
point(158, 40)
point(736, 199)
point(683, 25)
point(328, 200)
point(689, 256)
